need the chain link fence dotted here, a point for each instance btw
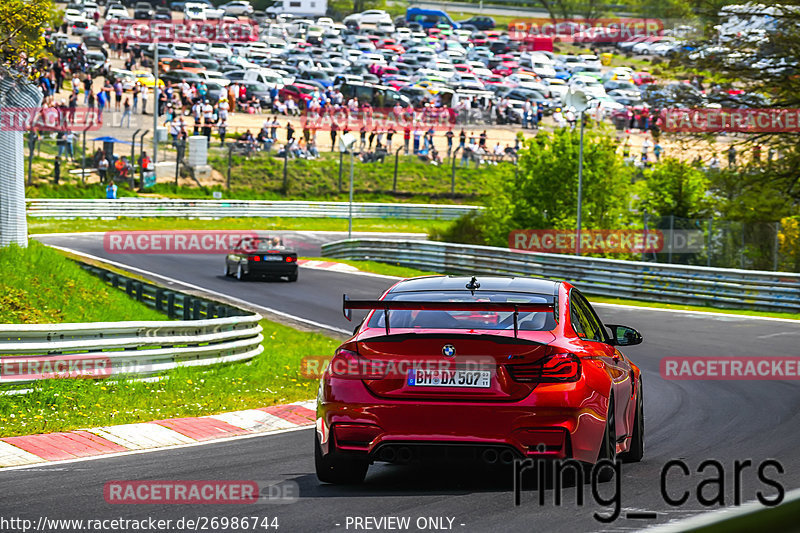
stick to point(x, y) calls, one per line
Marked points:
point(771, 246)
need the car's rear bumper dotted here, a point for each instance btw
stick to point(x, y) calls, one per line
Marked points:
point(556, 421)
point(269, 268)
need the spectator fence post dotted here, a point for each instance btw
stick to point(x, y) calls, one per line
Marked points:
point(341, 156)
point(230, 152)
point(453, 173)
point(396, 162)
point(284, 188)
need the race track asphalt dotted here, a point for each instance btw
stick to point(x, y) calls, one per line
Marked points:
point(688, 421)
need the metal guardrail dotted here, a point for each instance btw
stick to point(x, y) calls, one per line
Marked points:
point(136, 207)
point(668, 283)
point(210, 333)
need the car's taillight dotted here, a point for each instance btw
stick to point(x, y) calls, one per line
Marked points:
point(557, 368)
point(254, 258)
point(290, 259)
point(349, 365)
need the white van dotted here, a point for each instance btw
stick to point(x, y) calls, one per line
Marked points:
point(266, 76)
point(311, 8)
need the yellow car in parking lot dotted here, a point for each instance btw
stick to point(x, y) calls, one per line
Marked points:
point(147, 79)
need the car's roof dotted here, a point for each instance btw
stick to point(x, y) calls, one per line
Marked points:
point(487, 283)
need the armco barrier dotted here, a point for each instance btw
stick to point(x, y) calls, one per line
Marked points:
point(138, 207)
point(718, 287)
point(210, 333)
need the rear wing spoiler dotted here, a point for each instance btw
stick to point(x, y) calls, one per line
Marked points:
point(405, 305)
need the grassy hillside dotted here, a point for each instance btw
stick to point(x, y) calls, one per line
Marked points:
point(39, 285)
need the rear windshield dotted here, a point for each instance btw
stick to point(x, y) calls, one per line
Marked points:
point(261, 245)
point(539, 321)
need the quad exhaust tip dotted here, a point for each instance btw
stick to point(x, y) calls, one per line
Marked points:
point(388, 454)
point(506, 457)
point(490, 456)
point(404, 454)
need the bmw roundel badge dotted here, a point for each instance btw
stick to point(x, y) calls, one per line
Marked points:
point(448, 350)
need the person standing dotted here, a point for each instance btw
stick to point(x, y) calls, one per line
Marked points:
point(657, 150)
point(136, 90)
point(223, 107)
point(406, 137)
point(289, 132)
point(449, 135)
point(69, 139)
point(87, 88)
point(208, 119)
point(334, 128)
point(144, 93)
point(57, 170)
point(526, 114)
point(101, 104)
point(73, 105)
point(646, 145)
point(117, 95)
point(126, 112)
point(732, 156)
point(274, 125)
point(389, 134)
point(363, 137)
point(92, 100)
point(102, 168)
point(222, 129)
point(197, 113)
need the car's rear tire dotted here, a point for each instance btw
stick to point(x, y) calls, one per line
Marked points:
point(227, 270)
point(293, 277)
point(337, 469)
point(608, 447)
point(239, 273)
point(636, 450)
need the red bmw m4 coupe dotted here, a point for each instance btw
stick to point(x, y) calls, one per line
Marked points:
point(488, 369)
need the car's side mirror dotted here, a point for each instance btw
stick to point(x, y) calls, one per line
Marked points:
point(623, 335)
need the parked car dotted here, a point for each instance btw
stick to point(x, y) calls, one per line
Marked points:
point(479, 23)
point(94, 39)
point(237, 8)
point(143, 11)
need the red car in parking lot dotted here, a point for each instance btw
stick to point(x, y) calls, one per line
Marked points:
point(299, 91)
point(487, 370)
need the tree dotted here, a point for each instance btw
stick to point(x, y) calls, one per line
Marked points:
point(764, 65)
point(22, 25)
point(675, 188)
point(543, 193)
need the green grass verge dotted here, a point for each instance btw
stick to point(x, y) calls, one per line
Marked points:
point(38, 225)
point(407, 272)
point(41, 286)
point(273, 377)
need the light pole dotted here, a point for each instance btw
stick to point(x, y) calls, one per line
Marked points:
point(155, 102)
point(578, 100)
point(346, 143)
